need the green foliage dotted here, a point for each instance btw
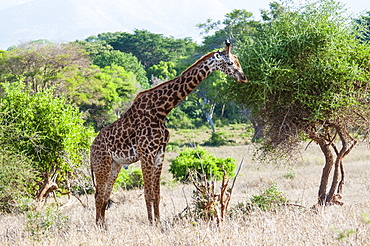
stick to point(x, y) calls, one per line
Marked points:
point(291, 61)
point(149, 48)
point(179, 117)
point(129, 62)
point(364, 24)
point(104, 99)
point(42, 66)
point(305, 65)
point(289, 175)
point(343, 235)
point(46, 129)
point(237, 25)
point(202, 162)
point(219, 139)
point(18, 179)
point(269, 200)
point(172, 147)
point(366, 218)
point(130, 178)
point(67, 69)
point(162, 70)
point(208, 94)
point(46, 224)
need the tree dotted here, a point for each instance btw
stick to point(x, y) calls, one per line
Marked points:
point(46, 129)
point(104, 55)
point(18, 179)
point(98, 92)
point(162, 70)
point(117, 90)
point(208, 94)
point(41, 65)
point(149, 48)
point(238, 25)
point(309, 75)
point(364, 23)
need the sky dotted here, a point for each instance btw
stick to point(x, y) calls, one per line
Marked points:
point(68, 20)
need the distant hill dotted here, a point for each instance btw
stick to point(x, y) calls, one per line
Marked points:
point(67, 20)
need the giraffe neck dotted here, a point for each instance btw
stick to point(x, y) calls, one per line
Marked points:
point(160, 100)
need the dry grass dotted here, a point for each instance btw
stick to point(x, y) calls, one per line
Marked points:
point(128, 225)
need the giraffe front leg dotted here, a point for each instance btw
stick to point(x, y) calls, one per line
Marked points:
point(147, 169)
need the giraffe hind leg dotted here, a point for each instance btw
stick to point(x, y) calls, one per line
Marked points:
point(147, 169)
point(103, 190)
point(100, 204)
point(101, 179)
point(115, 169)
point(157, 182)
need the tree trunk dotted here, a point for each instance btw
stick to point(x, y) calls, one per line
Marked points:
point(208, 109)
point(222, 111)
point(49, 185)
point(328, 147)
point(329, 160)
point(209, 119)
point(258, 129)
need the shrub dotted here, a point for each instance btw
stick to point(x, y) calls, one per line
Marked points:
point(289, 175)
point(18, 180)
point(270, 199)
point(46, 224)
point(130, 178)
point(178, 119)
point(201, 162)
point(218, 139)
point(46, 129)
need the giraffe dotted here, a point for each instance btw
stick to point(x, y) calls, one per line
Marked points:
point(141, 135)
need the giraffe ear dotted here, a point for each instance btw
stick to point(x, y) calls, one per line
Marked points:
point(227, 42)
point(217, 56)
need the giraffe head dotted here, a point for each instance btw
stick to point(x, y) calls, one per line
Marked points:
point(229, 64)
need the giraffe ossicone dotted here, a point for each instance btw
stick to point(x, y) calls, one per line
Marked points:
point(141, 135)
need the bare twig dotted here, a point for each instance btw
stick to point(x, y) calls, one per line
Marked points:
point(237, 173)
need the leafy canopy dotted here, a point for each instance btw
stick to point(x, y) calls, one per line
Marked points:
point(129, 62)
point(149, 48)
point(306, 65)
point(45, 128)
point(99, 92)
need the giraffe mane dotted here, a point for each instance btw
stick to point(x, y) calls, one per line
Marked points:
point(188, 69)
point(199, 61)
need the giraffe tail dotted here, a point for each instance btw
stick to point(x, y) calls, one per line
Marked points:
point(92, 176)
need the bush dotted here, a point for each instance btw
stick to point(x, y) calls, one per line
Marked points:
point(218, 139)
point(178, 119)
point(269, 200)
point(46, 129)
point(49, 223)
point(130, 178)
point(18, 180)
point(202, 162)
